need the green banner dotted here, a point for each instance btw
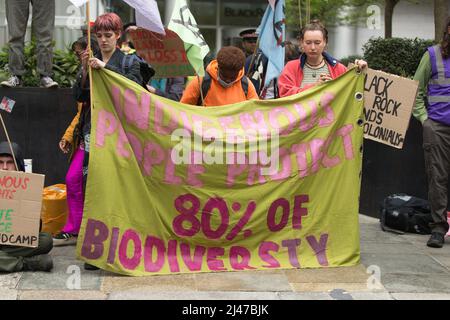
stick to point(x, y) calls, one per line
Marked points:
point(175, 188)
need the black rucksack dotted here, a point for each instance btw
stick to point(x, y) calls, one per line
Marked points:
point(147, 72)
point(206, 84)
point(401, 213)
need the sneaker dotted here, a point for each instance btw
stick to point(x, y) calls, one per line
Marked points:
point(47, 82)
point(41, 262)
point(12, 82)
point(436, 240)
point(64, 239)
point(90, 267)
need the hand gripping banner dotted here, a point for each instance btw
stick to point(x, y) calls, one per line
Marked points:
point(257, 185)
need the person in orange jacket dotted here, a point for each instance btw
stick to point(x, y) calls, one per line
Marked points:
point(224, 82)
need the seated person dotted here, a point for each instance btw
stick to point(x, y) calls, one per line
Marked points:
point(15, 258)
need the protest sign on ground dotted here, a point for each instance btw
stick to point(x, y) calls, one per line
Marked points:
point(20, 208)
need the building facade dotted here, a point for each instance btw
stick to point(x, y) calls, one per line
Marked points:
point(220, 22)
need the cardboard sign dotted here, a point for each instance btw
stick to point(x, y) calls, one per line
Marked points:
point(166, 54)
point(388, 103)
point(20, 208)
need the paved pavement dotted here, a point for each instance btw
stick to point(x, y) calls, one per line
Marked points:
point(407, 269)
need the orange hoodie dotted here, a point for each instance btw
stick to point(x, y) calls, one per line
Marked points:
point(218, 95)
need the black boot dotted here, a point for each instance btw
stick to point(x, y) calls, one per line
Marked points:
point(436, 240)
point(41, 262)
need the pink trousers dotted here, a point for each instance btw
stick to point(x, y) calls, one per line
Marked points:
point(75, 199)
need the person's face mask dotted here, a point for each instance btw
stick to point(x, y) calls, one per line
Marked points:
point(228, 83)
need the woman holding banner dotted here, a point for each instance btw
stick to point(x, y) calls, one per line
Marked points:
point(108, 29)
point(315, 66)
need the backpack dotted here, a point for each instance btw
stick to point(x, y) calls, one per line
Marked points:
point(400, 213)
point(206, 84)
point(147, 72)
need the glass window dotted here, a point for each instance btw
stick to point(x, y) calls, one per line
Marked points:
point(123, 10)
point(204, 11)
point(242, 13)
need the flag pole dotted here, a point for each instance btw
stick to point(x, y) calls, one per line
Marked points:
point(200, 88)
point(252, 61)
point(9, 142)
point(88, 19)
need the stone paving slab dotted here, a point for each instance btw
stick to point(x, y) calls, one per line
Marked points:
point(403, 263)
point(62, 276)
point(371, 296)
point(182, 282)
point(416, 283)
point(353, 274)
point(421, 296)
point(10, 280)
point(242, 281)
point(389, 248)
point(304, 296)
point(61, 295)
point(138, 294)
point(8, 294)
point(328, 286)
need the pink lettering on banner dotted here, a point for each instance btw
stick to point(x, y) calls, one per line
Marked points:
point(304, 116)
point(254, 173)
point(153, 155)
point(193, 263)
point(96, 233)
point(345, 132)
point(316, 154)
point(264, 253)
point(292, 245)
point(170, 176)
point(106, 125)
point(253, 121)
point(302, 162)
point(325, 101)
point(186, 214)
point(160, 128)
point(327, 161)
point(215, 264)
point(136, 146)
point(133, 262)
point(225, 122)
point(240, 258)
point(122, 140)
point(208, 211)
point(113, 245)
point(206, 122)
point(187, 125)
point(234, 170)
point(299, 211)
point(272, 214)
point(285, 167)
point(117, 100)
point(137, 113)
point(193, 170)
point(152, 263)
point(320, 248)
point(275, 123)
point(172, 256)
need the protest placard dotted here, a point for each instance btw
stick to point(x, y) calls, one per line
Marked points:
point(389, 100)
point(20, 208)
point(7, 104)
point(166, 54)
point(238, 187)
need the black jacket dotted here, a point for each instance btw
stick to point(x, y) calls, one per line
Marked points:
point(114, 64)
